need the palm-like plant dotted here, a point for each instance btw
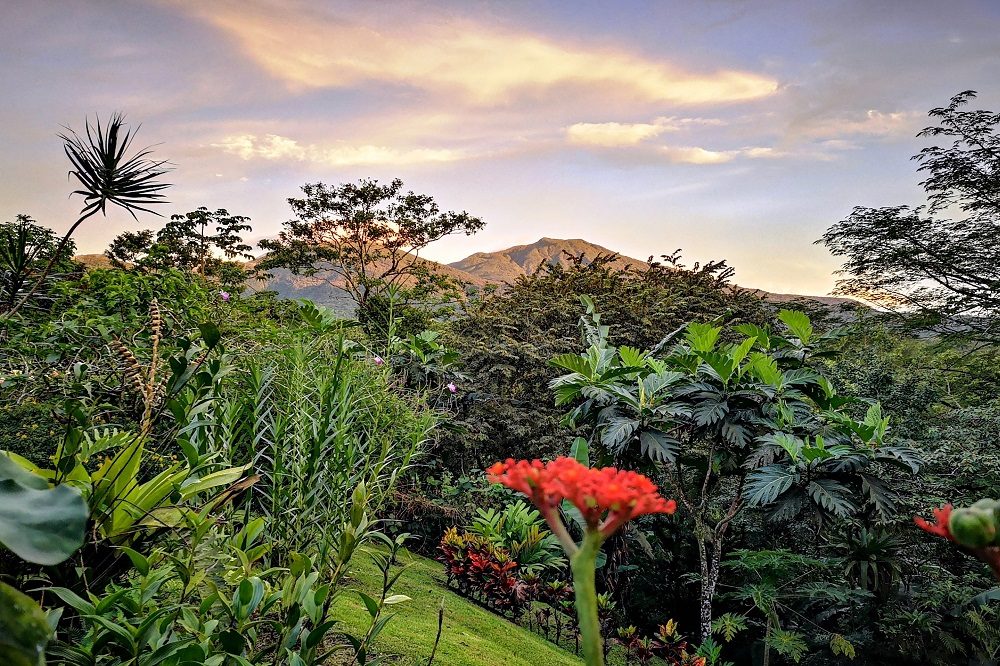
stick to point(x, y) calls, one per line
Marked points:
point(107, 173)
point(732, 420)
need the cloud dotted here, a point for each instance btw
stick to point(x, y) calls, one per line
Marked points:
point(697, 155)
point(482, 63)
point(273, 147)
point(872, 123)
point(614, 134)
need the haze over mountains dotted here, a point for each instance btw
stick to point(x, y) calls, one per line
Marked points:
point(483, 268)
point(478, 270)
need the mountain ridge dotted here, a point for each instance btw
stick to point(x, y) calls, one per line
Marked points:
point(484, 268)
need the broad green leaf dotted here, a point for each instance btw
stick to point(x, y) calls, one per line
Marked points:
point(765, 484)
point(573, 363)
point(40, 524)
point(580, 451)
point(210, 334)
point(223, 477)
point(702, 337)
point(24, 629)
point(798, 323)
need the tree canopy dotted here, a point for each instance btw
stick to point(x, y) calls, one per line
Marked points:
point(938, 262)
point(365, 237)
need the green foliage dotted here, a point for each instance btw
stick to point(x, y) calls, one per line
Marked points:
point(41, 524)
point(365, 238)
point(728, 625)
point(24, 629)
point(521, 531)
point(315, 425)
point(187, 243)
point(935, 270)
point(507, 339)
point(25, 249)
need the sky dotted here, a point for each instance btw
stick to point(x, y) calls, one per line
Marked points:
point(735, 130)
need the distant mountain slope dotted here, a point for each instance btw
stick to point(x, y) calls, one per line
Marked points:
point(507, 265)
point(331, 293)
point(479, 269)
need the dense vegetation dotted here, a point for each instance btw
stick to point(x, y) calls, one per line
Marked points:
point(194, 472)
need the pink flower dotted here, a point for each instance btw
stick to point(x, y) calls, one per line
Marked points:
point(378, 361)
point(452, 387)
point(224, 295)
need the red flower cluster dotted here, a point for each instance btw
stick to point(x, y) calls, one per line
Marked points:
point(940, 525)
point(610, 495)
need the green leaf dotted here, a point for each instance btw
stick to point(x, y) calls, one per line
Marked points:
point(210, 333)
point(791, 644)
point(798, 323)
point(702, 337)
point(841, 646)
point(40, 524)
point(24, 629)
point(832, 496)
point(580, 451)
point(657, 445)
point(223, 477)
point(765, 484)
point(139, 561)
point(370, 604)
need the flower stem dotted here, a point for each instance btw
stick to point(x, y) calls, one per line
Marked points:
point(584, 564)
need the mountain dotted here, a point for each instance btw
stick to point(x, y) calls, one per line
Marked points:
point(507, 265)
point(331, 293)
point(479, 269)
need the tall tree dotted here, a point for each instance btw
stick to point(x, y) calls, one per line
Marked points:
point(364, 237)
point(186, 242)
point(938, 263)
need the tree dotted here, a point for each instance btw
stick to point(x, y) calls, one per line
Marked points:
point(731, 420)
point(106, 174)
point(185, 242)
point(365, 238)
point(25, 249)
point(917, 260)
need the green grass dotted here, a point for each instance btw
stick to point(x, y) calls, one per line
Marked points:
point(472, 635)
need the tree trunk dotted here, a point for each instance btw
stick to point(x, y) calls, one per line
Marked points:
point(710, 554)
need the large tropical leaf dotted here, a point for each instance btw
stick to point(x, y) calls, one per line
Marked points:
point(657, 445)
point(765, 484)
point(798, 323)
point(831, 496)
point(618, 431)
point(901, 456)
point(40, 524)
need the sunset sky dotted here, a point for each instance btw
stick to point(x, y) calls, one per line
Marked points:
point(736, 130)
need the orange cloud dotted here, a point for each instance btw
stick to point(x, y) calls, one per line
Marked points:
point(274, 147)
point(481, 63)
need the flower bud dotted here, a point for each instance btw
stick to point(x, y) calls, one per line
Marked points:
point(973, 527)
point(992, 506)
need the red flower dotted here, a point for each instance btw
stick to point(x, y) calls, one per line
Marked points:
point(606, 497)
point(940, 525)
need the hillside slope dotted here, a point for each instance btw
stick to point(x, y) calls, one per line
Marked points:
point(513, 262)
point(471, 635)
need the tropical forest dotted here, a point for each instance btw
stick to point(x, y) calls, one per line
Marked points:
point(237, 437)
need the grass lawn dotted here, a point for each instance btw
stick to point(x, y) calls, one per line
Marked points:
point(472, 636)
